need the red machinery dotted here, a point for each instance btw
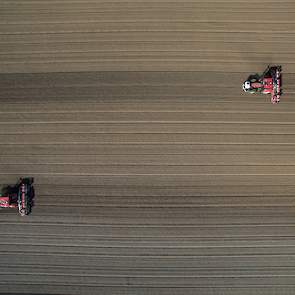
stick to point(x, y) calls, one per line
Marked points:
point(268, 83)
point(19, 196)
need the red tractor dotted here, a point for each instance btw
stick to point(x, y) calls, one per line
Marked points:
point(268, 83)
point(19, 196)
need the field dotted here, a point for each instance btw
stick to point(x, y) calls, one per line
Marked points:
point(154, 173)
